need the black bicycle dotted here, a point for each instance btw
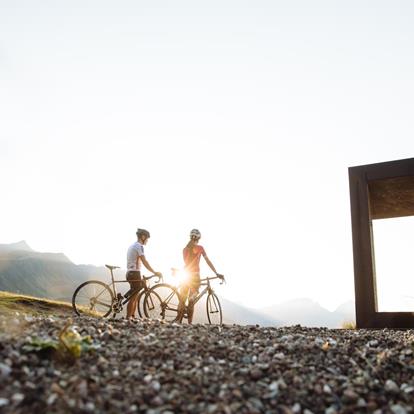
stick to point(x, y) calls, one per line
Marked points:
point(163, 301)
point(101, 299)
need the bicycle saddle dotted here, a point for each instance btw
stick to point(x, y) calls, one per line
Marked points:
point(111, 267)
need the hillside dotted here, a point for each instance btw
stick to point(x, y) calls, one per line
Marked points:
point(12, 304)
point(47, 275)
point(54, 276)
point(93, 366)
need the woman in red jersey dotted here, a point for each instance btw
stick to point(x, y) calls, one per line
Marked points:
point(192, 254)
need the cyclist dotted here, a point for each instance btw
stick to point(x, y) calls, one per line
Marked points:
point(192, 253)
point(135, 256)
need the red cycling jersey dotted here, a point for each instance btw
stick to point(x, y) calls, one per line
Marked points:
point(192, 258)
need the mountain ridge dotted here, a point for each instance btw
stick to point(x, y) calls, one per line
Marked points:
point(54, 276)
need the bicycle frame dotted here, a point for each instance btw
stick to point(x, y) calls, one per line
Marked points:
point(207, 289)
point(144, 286)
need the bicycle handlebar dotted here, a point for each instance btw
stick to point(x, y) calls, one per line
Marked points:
point(160, 277)
point(221, 277)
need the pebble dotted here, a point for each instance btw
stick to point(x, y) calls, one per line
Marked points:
point(163, 368)
point(398, 409)
point(350, 396)
point(17, 397)
point(256, 373)
point(391, 386)
point(4, 402)
point(5, 371)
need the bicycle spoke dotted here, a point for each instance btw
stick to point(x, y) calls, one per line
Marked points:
point(103, 304)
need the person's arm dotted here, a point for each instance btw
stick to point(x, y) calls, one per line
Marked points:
point(208, 261)
point(148, 266)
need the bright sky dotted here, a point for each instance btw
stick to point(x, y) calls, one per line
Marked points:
point(239, 118)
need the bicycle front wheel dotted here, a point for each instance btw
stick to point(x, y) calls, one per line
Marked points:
point(140, 307)
point(214, 314)
point(162, 302)
point(93, 298)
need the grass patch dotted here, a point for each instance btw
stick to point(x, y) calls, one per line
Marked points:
point(348, 325)
point(14, 302)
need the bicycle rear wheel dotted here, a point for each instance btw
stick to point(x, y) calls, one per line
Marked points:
point(93, 298)
point(214, 313)
point(161, 302)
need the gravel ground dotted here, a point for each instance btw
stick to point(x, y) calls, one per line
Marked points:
point(152, 367)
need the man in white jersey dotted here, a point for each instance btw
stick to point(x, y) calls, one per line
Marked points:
point(135, 257)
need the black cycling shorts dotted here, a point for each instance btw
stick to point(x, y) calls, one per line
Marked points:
point(134, 278)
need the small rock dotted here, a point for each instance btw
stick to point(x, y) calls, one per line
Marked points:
point(398, 409)
point(157, 401)
point(274, 386)
point(18, 397)
point(391, 387)
point(148, 378)
point(350, 396)
point(319, 341)
point(5, 370)
point(51, 399)
point(256, 373)
point(408, 389)
point(361, 402)
point(4, 402)
point(156, 386)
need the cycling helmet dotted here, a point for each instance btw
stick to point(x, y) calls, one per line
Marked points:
point(194, 233)
point(143, 232)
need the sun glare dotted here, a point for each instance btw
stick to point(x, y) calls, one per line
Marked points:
point(180, 276)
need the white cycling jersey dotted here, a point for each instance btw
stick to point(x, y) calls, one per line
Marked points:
point(135, 251)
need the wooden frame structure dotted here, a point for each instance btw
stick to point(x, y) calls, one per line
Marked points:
point(377, 191)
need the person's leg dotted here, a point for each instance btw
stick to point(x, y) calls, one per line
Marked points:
point(132, 305)
point(131, 308)
point(181, 307)
point(194, 288)
point(191, 296)
point(134, 278)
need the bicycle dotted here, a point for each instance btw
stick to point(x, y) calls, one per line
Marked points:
point(163, 301)
point(100, 299)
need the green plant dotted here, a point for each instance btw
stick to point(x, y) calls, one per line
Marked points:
point(70, 343)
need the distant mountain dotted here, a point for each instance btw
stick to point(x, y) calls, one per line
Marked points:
point(47, 275)
point(234, 313)
point(307, 312)
point(19, 246)
point(54, 276)
point(346, 311)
